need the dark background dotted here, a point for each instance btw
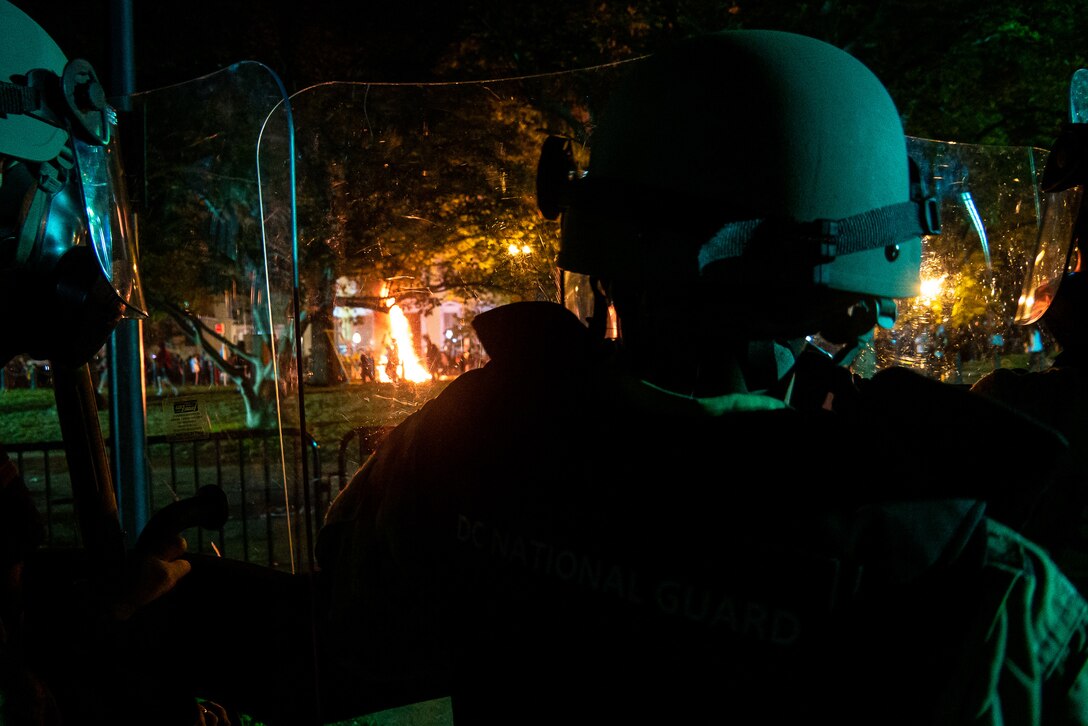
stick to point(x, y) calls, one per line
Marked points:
point(178, 41)
point(969, 71)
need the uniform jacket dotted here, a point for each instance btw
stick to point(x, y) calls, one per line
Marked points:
point(1057, 396)
point(550, 541)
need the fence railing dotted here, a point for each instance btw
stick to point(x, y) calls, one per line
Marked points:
point(265, 523)
point(355, 446)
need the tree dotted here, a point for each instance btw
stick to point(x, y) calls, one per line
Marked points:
point(428, 192)
point(254, 372)
point(210, 223)
point(422, 190)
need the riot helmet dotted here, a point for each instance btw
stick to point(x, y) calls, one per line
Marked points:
point(68, 270)
point(769, 165)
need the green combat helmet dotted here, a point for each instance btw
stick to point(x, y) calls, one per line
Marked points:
point(787, 185)
point(68, 269)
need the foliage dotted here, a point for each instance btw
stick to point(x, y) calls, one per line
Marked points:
point(412, 189)
point(419, 190)
point(993, 72)
point(199, 221)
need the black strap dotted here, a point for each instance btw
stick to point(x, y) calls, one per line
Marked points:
point(52, 176)
point(826, 238)
point(18, 99)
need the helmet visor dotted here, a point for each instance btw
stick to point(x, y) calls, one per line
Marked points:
point(1043, 272)
point(578, 295)
point(985, 276)
point(583, 296)
point(108, 221)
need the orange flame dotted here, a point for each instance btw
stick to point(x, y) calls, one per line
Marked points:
point(400, 347)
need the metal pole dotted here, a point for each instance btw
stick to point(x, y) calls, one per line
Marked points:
point(128, 407)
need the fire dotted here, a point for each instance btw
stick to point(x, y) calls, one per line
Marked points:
point(932, 287)
point(400, 347)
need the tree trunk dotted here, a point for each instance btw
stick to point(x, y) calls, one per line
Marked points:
point(326, 368)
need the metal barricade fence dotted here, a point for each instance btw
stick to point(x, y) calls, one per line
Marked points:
point(243, 463)
point(355, 446)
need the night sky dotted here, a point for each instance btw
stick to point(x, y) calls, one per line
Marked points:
point(975, 72)
point(178, 41)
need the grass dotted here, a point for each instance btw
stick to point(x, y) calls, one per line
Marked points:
point(30, 415)
point(426, 713)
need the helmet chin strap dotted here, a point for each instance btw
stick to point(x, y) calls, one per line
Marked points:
point(818, 375)
point(854, 328)
point(51, 178)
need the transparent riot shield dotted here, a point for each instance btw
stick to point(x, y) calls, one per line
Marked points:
point(969, 317)
point(417, 211)
point(215, 217)
point(1055, 260)
point(326, 253)
point(321, 258)
point(414, 209)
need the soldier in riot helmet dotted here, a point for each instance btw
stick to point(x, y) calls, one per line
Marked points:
point(68, 276)
point(107, 635)
point(667, 505)
point(658, 503)
point(1054, 297)
point(68, 264)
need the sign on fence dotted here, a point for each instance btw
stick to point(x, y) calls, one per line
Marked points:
point(186, 419)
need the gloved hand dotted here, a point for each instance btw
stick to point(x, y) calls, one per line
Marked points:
point(210, 713)
point(149, 574)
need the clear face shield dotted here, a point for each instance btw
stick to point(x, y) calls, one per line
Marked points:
point(1064, 176)
point(108, 221)
point(1052, 259)
point(993, 270)
point(583, 296)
